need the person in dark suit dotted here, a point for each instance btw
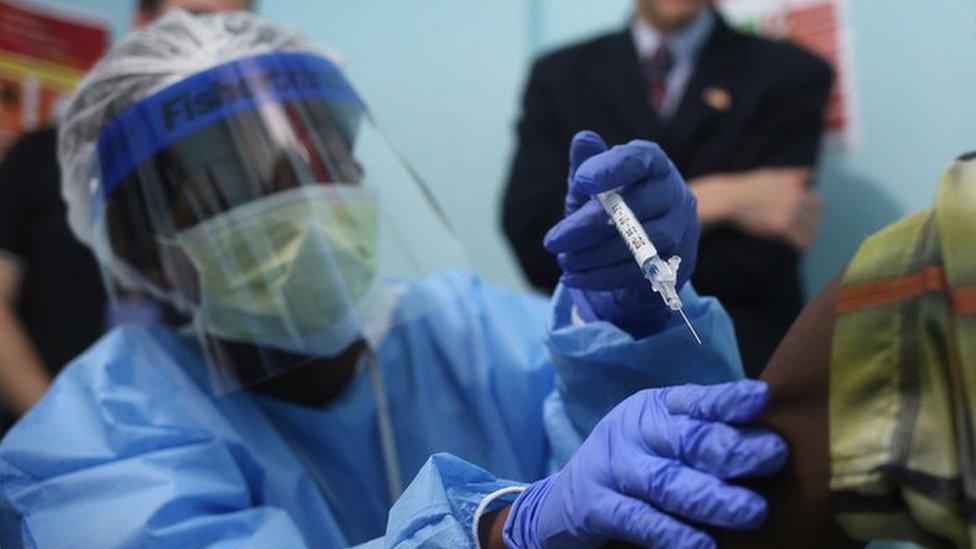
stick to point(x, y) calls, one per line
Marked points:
point(741, 116)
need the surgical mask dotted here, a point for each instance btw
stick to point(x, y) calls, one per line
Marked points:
point(292, 271)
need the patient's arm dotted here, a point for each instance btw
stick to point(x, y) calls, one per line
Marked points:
point(798, 375)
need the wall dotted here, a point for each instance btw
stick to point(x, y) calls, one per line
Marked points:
point(916, 109)
point(916, 72)
point(444, 77)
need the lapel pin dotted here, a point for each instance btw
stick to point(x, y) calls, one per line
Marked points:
point(718, 99)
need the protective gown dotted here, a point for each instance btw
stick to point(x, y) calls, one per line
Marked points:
point(131, 449)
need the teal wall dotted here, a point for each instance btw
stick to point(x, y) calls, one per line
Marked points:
point(916, 75)
point(444, 78)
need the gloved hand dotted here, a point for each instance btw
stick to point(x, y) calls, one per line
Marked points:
point(604, 280)
point(661, 453)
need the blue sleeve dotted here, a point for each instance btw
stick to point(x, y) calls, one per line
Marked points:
point(92, 465)
point(146, 502)
point(441, 504)
point(598, 365)
point(482, 362)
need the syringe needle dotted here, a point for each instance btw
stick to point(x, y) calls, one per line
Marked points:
point(690, 327)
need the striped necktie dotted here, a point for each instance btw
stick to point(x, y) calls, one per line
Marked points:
point(656, 70)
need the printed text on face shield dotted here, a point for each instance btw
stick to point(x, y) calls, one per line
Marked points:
point(223, 91)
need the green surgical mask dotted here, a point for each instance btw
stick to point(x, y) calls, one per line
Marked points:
point(292, 271)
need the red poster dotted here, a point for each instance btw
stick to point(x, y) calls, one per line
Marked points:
point(43, 54)
point(822, 26)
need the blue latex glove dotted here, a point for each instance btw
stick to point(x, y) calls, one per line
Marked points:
point(604, 280)
point(661, 453)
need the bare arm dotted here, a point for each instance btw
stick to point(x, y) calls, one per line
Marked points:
point(23, 379)
point(798, 377)
point(490, 529)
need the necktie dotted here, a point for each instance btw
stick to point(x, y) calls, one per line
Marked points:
point(656, 70)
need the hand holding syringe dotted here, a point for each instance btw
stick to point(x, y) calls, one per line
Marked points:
point(663, 275)
point(643, 193)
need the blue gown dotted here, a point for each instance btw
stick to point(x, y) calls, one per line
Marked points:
point(130, 449)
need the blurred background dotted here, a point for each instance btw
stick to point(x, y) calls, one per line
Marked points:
point(445, 77)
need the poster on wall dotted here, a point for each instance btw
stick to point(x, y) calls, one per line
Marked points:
point(823, 27)
point(43, 53)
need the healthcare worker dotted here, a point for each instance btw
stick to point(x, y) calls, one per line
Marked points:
point(335, 348)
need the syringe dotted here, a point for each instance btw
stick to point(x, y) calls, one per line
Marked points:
point(663, 275)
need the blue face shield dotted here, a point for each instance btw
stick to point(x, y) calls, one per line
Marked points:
point(260, 199)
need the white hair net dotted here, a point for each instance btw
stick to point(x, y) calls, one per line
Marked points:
point(173, 48)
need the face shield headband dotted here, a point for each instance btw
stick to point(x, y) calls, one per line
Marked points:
point(167, 116)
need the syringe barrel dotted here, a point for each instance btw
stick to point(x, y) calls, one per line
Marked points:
point(662, 275)
point(628, 226)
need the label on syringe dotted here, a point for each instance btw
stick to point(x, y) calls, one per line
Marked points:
point(629, 227)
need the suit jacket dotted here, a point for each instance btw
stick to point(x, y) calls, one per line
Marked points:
point(775, 118)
